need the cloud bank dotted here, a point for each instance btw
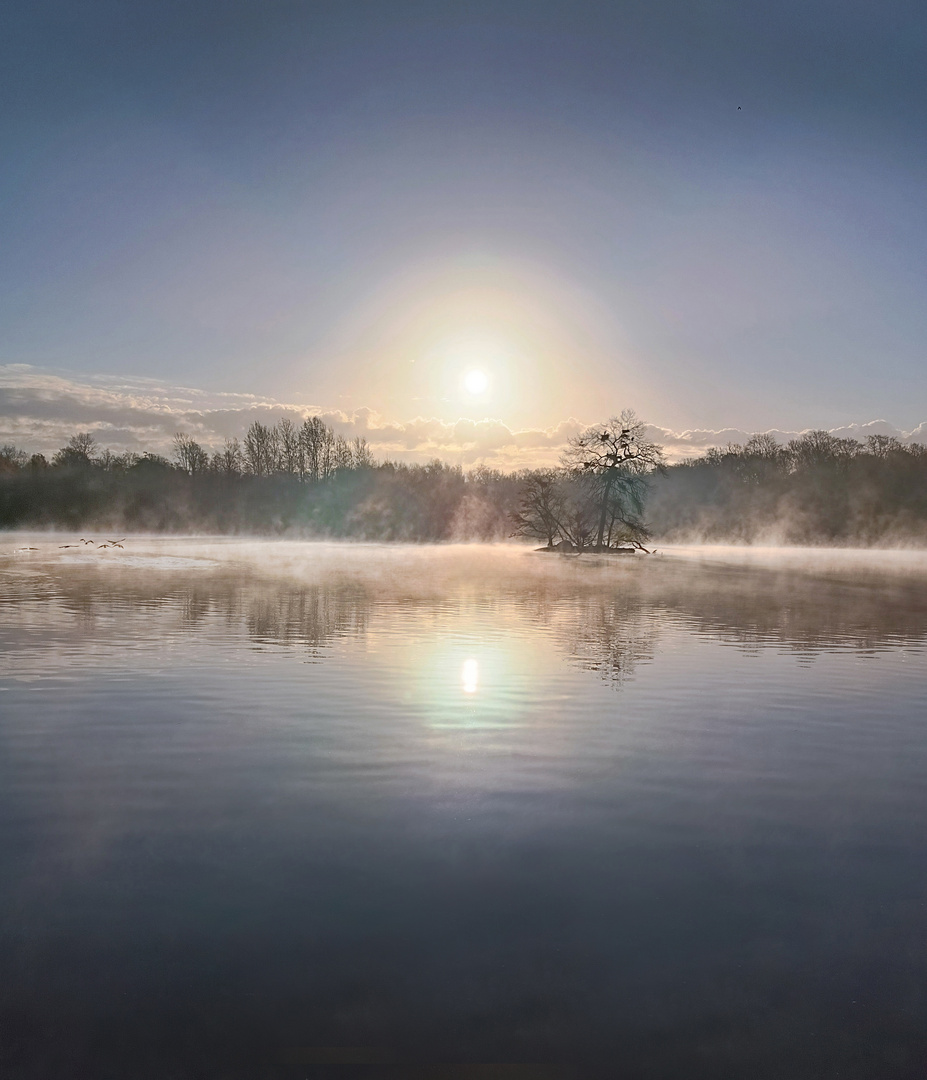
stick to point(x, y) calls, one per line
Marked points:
point(39, 411)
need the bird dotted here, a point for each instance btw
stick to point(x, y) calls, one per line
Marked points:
point(68, 545)
point(83, 541)
point(738, 108)
point(115, 543)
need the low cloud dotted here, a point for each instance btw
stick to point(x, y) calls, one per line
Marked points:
point(682, 444)
point(39, 412)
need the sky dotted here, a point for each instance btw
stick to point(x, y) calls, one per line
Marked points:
point(713, 213)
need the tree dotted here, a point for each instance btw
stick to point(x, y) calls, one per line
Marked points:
point(12, 459)
point(816, 448)
point(190, 456)
point(290, 451)
point(261, 450)
point(151, 461)
point(881, 446)
point(79, 452)
point(343, 455)
point(228, 461)
point(764, 446)
point(581, 510)
point(316, 442)
point(110, 462)
point(363, 457)
point(542, 509)
point(617, 458)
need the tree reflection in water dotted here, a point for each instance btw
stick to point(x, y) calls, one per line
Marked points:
point(604, 617)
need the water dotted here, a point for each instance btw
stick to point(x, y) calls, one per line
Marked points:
point(287, 810)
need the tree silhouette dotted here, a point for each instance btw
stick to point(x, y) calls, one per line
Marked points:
point(542, 509)
point(190, 456)
point(79, 452)
point(618, 458)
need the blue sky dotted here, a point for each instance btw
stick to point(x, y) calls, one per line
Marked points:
point(345, 207)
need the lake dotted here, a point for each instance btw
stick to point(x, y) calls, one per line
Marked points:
point(277, 809)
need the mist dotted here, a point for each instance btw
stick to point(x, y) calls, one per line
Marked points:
point(308, 482)
point(817, 489)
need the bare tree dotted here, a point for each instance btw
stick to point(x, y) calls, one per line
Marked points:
point(326, 453)
point(816, 448)
point(189, 455)
point(290, 448)
point(363, 457)
point(580, 511)
point(12, 459)
point(80, 451)
point(229, 460)
point(765, 446)
point(881, 446)
point(542, 509)
point(343, 456)
point(618, 458)
point(261, 450)
point(317, 445)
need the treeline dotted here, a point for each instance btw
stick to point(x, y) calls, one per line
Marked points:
point(304, 480)
point(817, 489)
point(612, 490)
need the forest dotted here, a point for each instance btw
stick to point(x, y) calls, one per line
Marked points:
point(612, 491)
point(816, 489)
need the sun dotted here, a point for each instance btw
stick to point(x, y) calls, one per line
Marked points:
point(476, 381)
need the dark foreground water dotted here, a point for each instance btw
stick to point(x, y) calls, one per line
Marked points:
point(303, 811)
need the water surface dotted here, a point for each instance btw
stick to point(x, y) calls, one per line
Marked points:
point(293, 810)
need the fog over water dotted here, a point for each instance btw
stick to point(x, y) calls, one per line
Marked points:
point(273, 808)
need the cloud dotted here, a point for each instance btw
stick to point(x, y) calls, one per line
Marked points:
point(691, 443)
point(39, 411)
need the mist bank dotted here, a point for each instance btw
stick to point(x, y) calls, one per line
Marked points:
point(284, 481)
point(352, 497)
point(815, 490)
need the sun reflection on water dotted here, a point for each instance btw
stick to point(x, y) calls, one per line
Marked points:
point(481, 684)
point(470, 676)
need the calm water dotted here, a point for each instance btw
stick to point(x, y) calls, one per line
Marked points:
point(286, 810)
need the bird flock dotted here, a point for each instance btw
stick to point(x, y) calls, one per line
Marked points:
point(103, 545)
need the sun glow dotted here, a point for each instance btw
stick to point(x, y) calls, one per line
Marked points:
point(476, 382)
point(410, 345)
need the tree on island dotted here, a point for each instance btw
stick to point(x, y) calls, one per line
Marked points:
point(596, 499)
point(618, 459)
point(542, 510)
